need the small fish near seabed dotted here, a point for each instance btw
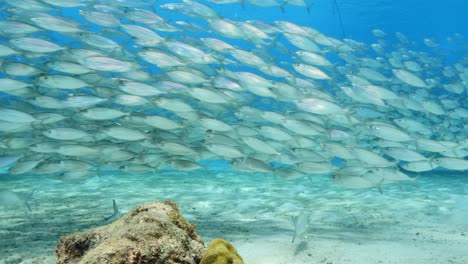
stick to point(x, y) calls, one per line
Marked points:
point(15, 200)
point(357, 182)
point(116, 215)
point(301, 223)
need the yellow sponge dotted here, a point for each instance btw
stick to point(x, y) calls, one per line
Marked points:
point(221, 252)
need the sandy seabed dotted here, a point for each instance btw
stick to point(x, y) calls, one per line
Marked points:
point(422, 221)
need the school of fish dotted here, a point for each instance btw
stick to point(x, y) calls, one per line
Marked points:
point(127, 87)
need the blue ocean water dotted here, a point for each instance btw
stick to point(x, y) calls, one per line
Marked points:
point(423, 220)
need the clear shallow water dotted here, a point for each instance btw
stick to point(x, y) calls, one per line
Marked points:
point(249, 209)
point(422, 221)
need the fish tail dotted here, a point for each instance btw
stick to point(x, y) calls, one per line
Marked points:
point(242, 3)
point(294, 219)
point(281, 6)
point(308, 5)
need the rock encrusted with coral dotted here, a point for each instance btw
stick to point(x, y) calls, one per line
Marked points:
point(151, 233)
point(221, 252)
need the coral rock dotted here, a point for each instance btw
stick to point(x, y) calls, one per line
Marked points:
point(221, 252)
point(151, 233)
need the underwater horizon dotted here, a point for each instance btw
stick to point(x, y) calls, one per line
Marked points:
point(300, 131)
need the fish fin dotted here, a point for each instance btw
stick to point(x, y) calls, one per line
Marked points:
point(151, 4)
point(37, 125)
point(281, 6)
point(361, 133)
point(116, 213)
point(379, 186)
point(273, 40)
point(430, 159)
point(395, 165)
point(294, 219)
point(28, 198)
point(27, 206)
point(114, 205)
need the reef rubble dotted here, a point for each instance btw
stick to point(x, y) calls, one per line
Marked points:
point(150, 233)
